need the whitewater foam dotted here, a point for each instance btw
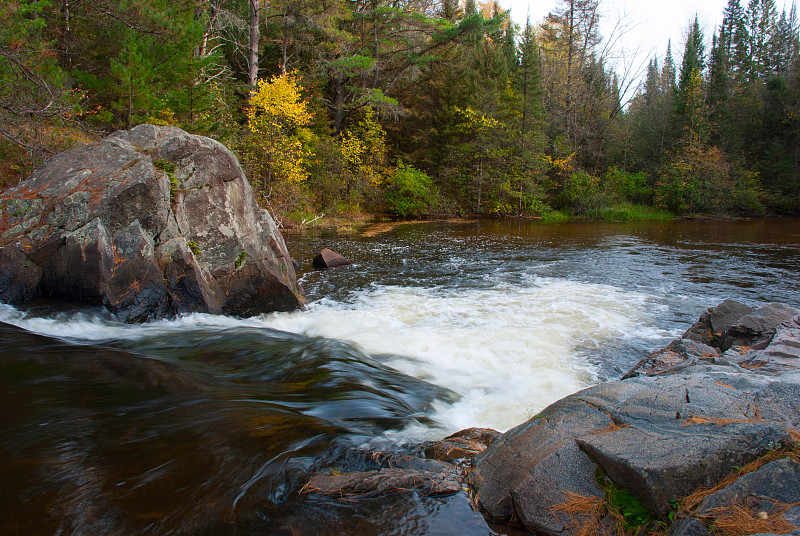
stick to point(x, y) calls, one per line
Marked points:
point(507, 350)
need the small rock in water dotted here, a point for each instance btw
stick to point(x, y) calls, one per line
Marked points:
point(464, 444)
point(328, 258)
point(386, 481)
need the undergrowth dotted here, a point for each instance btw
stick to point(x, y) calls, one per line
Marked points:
point(629, 212)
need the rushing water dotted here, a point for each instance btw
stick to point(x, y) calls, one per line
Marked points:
point(211, 425)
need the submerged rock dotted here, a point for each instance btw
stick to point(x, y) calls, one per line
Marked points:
point(685, 418)
point(151, 223)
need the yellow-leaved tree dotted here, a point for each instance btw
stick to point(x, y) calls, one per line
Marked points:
point(280, 143)
point(363, 152)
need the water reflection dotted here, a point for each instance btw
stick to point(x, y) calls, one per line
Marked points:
point(195, 433)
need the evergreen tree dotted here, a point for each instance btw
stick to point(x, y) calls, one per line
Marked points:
point(652, 83)
point(689, 96)
point(470, 8)
point(761, 21)
point(532, 138)
point(668, 73)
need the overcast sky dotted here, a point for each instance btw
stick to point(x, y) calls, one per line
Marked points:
point(650, 23)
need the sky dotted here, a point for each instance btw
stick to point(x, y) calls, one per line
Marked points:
point(650, 25)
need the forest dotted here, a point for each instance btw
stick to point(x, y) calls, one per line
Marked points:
point(420, 107)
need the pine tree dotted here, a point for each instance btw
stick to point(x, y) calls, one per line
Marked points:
point(652, 83)
point(761, 17)
point(529, 86)
point(470, 8)
point(668, 84)
point(691, 72)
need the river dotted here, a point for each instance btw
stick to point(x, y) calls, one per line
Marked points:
point(211, 425)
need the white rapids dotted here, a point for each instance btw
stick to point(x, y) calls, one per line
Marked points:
point(508, 350)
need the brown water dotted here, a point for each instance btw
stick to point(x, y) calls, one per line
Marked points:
point(211, 425)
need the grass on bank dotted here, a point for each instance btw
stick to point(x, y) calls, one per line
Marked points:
point(620, 212)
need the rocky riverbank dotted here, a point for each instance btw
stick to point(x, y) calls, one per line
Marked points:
point(701, 435)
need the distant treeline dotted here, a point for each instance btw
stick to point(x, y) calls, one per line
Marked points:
point(417, 107)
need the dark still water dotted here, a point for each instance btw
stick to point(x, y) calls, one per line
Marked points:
point(212, 425)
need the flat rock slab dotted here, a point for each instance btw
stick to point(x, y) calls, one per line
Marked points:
point(674, 463)
point(689, 527)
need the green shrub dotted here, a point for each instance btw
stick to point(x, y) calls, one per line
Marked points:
point(627, 186)
point(409, 191)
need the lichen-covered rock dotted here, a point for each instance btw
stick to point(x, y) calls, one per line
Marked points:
point(767, 338)
point(778, 482)
point(676, 353)
point(150, 222)
point(532, 468)
point(659, 437)
point(690, 526)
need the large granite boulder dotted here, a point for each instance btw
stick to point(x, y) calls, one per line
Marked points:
point(151, 223)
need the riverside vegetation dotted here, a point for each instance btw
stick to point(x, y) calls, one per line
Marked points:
point(421, 107)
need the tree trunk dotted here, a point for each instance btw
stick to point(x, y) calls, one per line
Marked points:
point(285, 46)
point(480, 182)
point(67, 43)
point(255, 37)
point(338, 103)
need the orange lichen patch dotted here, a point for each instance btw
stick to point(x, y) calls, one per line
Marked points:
point(738, 519)
point(722, 384)
point(697, 419)
point(585, 513)
point(752, 366)
point(613, 427)
point(133, 287)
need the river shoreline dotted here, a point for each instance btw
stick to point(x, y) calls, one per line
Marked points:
point(370, 224)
